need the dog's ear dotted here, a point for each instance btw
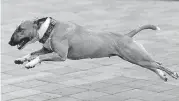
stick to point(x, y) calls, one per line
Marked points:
point(37, 22)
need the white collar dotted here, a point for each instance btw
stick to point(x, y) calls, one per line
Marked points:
point(43, 28)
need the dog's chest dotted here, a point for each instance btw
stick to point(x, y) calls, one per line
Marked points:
point(47, 44)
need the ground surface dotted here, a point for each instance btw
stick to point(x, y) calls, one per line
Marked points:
point(105, 79)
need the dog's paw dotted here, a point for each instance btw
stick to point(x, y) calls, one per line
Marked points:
point(19, 61)
point(22, 59)
point(175, 75)
point(29, 66)
point(32, 63)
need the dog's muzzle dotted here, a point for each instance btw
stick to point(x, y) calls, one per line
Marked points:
point(12, 43)
point(20, 44)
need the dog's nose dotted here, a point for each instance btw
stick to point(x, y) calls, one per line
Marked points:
point(11, 43)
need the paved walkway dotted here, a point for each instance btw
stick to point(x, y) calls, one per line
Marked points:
point(105, 79)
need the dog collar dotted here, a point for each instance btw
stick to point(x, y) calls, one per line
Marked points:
point(46, 29)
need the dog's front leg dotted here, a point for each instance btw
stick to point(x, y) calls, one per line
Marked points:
point(31, 56)
point(59, 54)
point(46, 57)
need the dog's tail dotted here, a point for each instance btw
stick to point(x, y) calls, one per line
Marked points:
point(135, 31)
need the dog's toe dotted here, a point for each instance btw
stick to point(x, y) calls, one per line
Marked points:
point(28, 67)
point(175, 75)
point(31, 64)
point(165, 79)
point(18, 61)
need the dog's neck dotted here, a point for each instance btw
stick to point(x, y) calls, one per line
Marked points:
point(45, 27)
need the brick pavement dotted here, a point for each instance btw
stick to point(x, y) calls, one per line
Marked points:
point(105, 79)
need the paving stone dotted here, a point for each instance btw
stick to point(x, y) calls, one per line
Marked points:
point(173, 99)
point(30, 84)
point(139, 83)
point(7, 96)
point(114, 89)
point(21, 72)
point(81, 74)
point(94, 85)
point(49, 87)
point(111, 98)
point(7, 67)
point(88, 95)
point(9, 88)
point(64, 70)
point(159, 87)
point(20, 99)
point(43, 97)
point(18, 79)
point(74, 82)
point(174, 91)
point(108, 69)
point(67, 91)
point(134, 100)
point(55, 78)
point(145, 95)
point(24, 93)
point(65, 99)
point(5, 76)
point(119, 80)
point(100, 77)
point(8, 60)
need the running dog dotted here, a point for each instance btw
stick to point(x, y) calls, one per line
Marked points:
point(62, 40)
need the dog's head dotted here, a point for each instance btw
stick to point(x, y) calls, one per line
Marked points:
point(26, 33)
point(23, 34)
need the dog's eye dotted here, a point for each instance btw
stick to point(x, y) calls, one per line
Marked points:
point(20, 29)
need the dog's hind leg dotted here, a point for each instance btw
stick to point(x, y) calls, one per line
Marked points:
point(158, 69)
point(159, 72)
point(151, 66)
point(169, 72)
point(147, 65)
point(136, 54)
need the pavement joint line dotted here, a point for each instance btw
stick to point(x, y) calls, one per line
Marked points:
point(144, 79)
point(21, 97)
point(46, 81)
point(6, 72)
point(38, 94)
point(116, 92)
point(71, 94)
point(162, 90)
point(25, 87)
point(67, 86)
point(54, 83)
point(25, 78)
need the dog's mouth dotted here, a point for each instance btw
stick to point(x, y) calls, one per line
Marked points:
point(22, 43)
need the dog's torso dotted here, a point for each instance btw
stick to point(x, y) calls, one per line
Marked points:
point(86, 44)
point(81, 43)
